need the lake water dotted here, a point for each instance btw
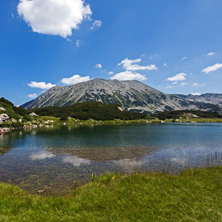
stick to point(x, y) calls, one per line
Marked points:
point(53, 158)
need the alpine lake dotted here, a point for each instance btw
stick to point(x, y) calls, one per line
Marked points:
point(57, 158)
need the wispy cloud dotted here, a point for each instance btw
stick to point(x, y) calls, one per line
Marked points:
point(34, 95)
point(96, 24)
point(211, 53)
point(178, 77)
point(40, 85)
point(54, 17)
point(98, 66)
point(199, 84)
point(212, 68)
point(183, 83)
point(185, 57)
point(77, 43)
point(74, 79)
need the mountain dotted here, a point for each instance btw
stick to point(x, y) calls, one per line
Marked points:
point(212, 98)
point(131, 95)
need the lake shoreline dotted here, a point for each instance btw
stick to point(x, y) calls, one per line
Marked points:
point(119, 197)
point(111, 122)
point(56, 156)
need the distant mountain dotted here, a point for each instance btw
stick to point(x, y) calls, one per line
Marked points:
point(212, 98)
point(130, 95)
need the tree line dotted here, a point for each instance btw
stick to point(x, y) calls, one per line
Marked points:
point(89, 110)
point(180, 113)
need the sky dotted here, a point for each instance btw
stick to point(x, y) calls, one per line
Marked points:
point(173, 46)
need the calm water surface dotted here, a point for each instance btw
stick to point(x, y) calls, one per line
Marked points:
point(53, 158)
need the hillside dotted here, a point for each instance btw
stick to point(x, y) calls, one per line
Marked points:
point(212, 98)
point(6, 107)
point(130, 95)
point(89, 110)
point(12, 116)
point(187, 114)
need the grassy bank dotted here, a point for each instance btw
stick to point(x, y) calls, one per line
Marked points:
point(194, 195)
point(200, 120)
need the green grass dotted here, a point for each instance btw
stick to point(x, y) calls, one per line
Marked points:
point(205, 120)
point(194, 195)
point(195, 120)
point(106, 122)
point(45, 118)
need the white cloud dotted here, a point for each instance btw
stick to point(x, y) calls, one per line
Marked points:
point(77, 43)
point(183, 58)
point(54, 17)
point(169, 87)
point(183, 84)
point(131, 67)
point(75, 79)
point(98, 66)
point(165, 65)
point(40, 85)
point(42, 155)
point(128, 75)
point(69, 40)
point(178, 77)
point(129, 64)
point(96, 23)
point(211, 53)
point(199, 84)
point(34, 95)
point(196, 94)
point(212, 68)
point(111, 73)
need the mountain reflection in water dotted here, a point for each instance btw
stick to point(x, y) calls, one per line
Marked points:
point(103, 153)
point(56, 157)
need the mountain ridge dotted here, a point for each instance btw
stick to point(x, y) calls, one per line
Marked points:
point(132, 95)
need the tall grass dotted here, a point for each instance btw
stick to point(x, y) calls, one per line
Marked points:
point(193, 195)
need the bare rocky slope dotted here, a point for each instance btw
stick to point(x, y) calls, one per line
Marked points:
point(130, 95)
point(212, 98)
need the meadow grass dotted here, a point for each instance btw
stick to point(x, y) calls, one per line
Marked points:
point(196, 120)
point(193, 195)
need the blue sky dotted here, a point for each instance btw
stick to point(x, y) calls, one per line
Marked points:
point(174, 46)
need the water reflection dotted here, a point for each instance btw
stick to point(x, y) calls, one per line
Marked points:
point(42, 155)
point(75, 161)
point(103, 153)
point(179, 160)
point(129, 165)
point(59, 155)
